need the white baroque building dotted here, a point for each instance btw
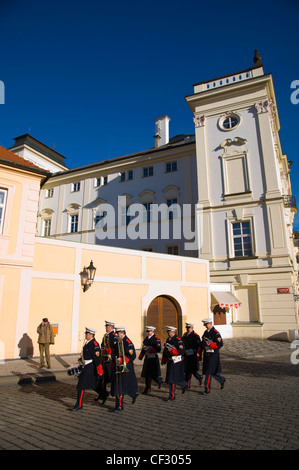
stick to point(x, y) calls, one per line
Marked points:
point(229, 184)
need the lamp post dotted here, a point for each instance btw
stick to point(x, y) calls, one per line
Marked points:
point(87, 276)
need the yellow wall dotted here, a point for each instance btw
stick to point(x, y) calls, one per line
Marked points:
point(52, 298)
point(126, 282)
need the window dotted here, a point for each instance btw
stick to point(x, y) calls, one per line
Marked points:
point(172, 208)
point(3, 196)
point(50, 192)
point(98, 217)
point(229, 122)
point(173, 250)
point(130, 175)
point(147, 215)
point(126, 176)
point(74, 223)
point(171, 166)
point(125, 219)
point(147, 171)
point(105, 180)
point(76, 187)
point(47, 228)
point(235, 174)
point(97, 182)
point(242, 239)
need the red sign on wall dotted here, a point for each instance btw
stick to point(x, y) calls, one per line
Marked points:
point(283, 290)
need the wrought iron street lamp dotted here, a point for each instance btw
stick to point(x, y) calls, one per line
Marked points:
point(87, 276)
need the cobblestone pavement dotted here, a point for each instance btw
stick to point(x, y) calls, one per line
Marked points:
point(256, 410)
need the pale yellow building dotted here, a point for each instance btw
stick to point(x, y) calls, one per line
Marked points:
point(39, 277)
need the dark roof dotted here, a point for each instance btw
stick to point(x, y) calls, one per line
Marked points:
point(174, 142)
point(40, 147)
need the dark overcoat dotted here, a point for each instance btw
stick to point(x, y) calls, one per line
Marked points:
point(211, 356)
point(90, 375)
point(107, 347)
point(124, 383)
point(174, 361)
point(151, 366)
point(191, 342)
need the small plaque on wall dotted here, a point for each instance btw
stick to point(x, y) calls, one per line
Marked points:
point(283, 290)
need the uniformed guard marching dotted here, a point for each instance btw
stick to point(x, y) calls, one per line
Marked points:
point(191, 341)
point(210, 345)
point(107, 346)
point(151, 366)
point(173, 358)
point(92, 362)
point(124, 380)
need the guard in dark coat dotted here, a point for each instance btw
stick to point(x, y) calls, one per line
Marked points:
point(92, 371)
point(210, 345)
point(173, 358)
point(151, 367)
point(191, 342)
point(124, 380)
point(107, 346)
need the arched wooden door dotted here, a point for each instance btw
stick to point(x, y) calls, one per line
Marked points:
point(162, 312)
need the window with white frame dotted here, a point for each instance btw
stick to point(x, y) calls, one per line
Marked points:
point(172, 205)
point(98, 217)
point(3, 197)
point(171, 166)
point(76, 187)
point(50, 192)
point(125, 218)
point(147, 171)
point(229, 121)
point(148, 212)
point(242, 239)
point(47, 227)
point(130, 175)
point(74, 223)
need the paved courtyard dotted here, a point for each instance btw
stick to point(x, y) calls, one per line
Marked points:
point(257, 409)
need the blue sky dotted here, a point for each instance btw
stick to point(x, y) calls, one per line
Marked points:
point(90, 77)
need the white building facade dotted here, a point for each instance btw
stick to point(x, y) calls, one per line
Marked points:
point(227, 198)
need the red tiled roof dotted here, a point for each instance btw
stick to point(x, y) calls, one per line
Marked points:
point(17, 160)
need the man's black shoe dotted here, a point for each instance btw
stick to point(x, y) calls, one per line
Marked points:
point(76, 408)
point(104, 399)
point(134, 398)
point(145, 392)
point(170, 399)
point(117, 408)
point(184, 389)
point(160, 384)
point(222, 385)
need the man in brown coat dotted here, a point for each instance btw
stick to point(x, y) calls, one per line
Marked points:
point(45, 338)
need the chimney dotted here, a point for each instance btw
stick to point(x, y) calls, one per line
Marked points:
point(162, 131)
